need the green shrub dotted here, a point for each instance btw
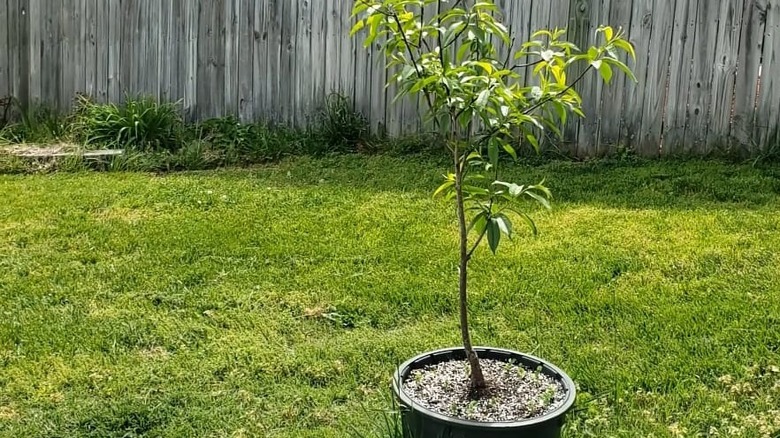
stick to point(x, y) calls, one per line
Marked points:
point(12, 165)
point(340, 127)
point(254, 142)
point(138, 124)
point(37, 124)
point(226, 133)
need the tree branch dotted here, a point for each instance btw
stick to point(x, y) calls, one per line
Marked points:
point(530, 64)
point(476, 244)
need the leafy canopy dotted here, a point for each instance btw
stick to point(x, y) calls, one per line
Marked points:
point(460, 57)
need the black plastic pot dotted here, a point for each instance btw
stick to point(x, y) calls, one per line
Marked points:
point(419, 422)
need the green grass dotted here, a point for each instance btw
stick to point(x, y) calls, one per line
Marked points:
point(191, 304)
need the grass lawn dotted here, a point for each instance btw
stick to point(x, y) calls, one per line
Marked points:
point(276, 301)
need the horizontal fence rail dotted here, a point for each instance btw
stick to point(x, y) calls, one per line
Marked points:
point(708, 70)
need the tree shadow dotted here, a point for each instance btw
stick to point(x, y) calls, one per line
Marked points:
point(688, 184)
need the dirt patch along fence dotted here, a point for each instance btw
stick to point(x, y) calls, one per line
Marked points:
point(709, 70)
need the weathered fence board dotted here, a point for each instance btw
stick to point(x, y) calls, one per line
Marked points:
point(698, 102)
point(640, 34)
point(246, 15)
point(5, 50)
point(680, 66)
point(656, 82)
point(749, 66)
point(612, 111)
point(768, 105)
point(708, 70)
point(724, 75)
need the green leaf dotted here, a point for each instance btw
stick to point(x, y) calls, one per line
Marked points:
point(609, 33)
point(622, 67)
point(493, 152)
point(462, 51)
point(510, 150)
point(421, 84)
point(448, 185)
point(493, 235)
point(479, 222)
point(488, 67)
point(482, 99)
point(626, 46)
point(540, 199)
point(357, 27)
point(504, 224)
point(534, 142)
point(606, 72)
point(593, 54)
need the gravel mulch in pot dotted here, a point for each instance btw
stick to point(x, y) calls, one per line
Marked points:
point(515, 393)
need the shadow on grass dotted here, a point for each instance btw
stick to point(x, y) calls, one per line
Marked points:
point(691, 184)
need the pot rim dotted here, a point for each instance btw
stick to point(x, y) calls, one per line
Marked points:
point(408, 366)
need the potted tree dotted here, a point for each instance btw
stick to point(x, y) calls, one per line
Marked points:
point(459, 57)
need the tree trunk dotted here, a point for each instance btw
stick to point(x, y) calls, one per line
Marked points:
point(477, 377)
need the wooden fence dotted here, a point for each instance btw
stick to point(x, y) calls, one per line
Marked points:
point(709, 70)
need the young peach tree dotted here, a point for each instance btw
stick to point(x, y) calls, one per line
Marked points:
point(459, 57)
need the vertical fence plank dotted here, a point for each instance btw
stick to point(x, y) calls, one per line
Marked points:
point(206, 63)
point(246, 17)
point(261, 60)
point(656, 83)
point(768, 105)
point(333, 44)
point(378, 91)
point(90, 53)
point(24, 56)
point(639, 33)
point(393, 111)
point(18, 44)
point(129, 23)
point(69, 63)
point(520, 25)
point(680, 67)
point(34, 77)
point(362, 95)
point(50, 55)
point(519, 21)
point(178, 70)
point(288, 83)
point(191, 31)
point(539, 19)
point(275, 48)
point(724, 75)
point(115, 34)
point(5, 52)
point(588, 14)
point(13, 47)
point(79, 30)
point(166, 52)
point(101, 49)
point(304, 64)
point(152, 55)
point(211, 60)
point(749, 63)
point(612, 111)
point(578, 33)
point(349, 48)
point(699, 100)
point(505, 14)
point(231, 57)
point(318, 53)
